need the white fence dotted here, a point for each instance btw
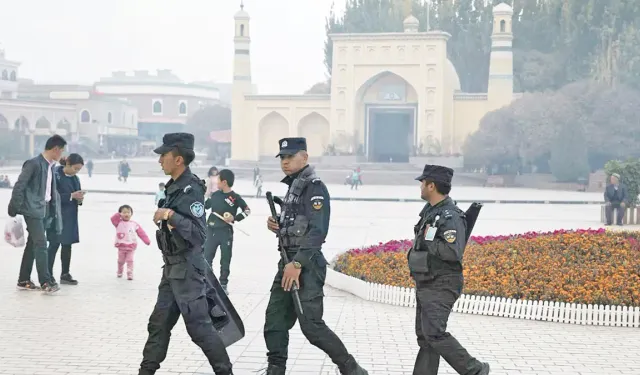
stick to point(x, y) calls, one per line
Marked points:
point(617, 316)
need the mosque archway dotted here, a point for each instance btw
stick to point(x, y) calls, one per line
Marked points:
point(315, 128)
point(43, 123)
point(271, 129)
point(388, 105)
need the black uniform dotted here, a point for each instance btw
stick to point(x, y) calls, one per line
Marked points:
point(219, 232)
point(435, 262)
point(183, 288)
point(304, 223)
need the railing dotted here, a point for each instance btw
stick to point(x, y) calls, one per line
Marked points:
point(571, 313)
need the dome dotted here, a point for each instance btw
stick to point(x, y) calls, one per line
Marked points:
point(451, 76)
point(411, 24)
point(503, 8)
point(241, 14)
point(411, 21)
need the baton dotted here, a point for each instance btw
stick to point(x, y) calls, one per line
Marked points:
point(283, 253)
point(233, 226)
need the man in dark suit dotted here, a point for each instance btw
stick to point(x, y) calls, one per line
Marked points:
point(616, 196)
point(35, 197)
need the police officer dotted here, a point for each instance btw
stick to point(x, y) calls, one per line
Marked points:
point(435, 262)
point(303, 226)
point(183, 287)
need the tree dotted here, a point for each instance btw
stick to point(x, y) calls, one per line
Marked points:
point(206, 120)
point(319, 88)
point(569, 162)
point(629, 172)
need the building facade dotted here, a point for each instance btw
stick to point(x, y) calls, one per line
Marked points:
point(393, 95)
point(25, 124)
point(163, 101)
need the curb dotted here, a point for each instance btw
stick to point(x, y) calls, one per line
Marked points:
point(559, 312)
point(402, 200)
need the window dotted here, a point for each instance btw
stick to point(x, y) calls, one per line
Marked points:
point(109, 118)
point(5, 75)
point(182, 108)
point(13, 77)
point(242, 30)
point(503, 26)
point(85, 116)
point(157, 107)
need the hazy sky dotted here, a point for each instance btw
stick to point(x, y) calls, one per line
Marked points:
point(79, 41)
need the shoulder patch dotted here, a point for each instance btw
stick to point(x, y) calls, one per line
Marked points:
point(317, 202)
point(450, 235)
point(316, 181)
point(186, 189)
point(197, 209)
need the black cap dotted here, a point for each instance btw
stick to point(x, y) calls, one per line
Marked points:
point(436, 173)
point(291, 146)
point(181, 141)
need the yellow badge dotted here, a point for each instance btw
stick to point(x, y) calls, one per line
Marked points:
point(317, 204)
point(227, 215)
point(450, 236)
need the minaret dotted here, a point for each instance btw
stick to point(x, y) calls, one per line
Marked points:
point(500, 90)
point(241, 148)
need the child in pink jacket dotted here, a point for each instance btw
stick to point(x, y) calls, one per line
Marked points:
point(126, 239)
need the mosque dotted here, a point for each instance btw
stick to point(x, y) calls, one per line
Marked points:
point(391, 94)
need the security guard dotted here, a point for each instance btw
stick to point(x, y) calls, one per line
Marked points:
point(435, 262)
point(183, 287)
point(303, 227)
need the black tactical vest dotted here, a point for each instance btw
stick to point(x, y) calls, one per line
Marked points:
point(293, 225)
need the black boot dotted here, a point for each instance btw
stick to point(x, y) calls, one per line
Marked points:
point(276, 370)
point(352, 368)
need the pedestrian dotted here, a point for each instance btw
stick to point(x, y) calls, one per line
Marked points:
point(183, 288)
point(127, 233)
point(35, 197)
point(124, 169)
point(355, 179)
point(435, 263)
point(71, 197)
point(256, 174)
point(90, 167)
point(226, 203)
point(160, 194)
point(258, 186)
point(302, 227)
point(212, 182)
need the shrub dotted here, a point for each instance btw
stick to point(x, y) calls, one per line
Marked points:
point(582, 266)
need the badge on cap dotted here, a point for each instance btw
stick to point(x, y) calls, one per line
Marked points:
point(450, 236)
point(284, 144)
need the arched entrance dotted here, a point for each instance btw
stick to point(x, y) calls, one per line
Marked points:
point(21, 128)
point(315, 128)
point(272, 128)
point(388, 105)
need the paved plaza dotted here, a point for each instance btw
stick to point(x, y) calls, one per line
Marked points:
point(99, 326)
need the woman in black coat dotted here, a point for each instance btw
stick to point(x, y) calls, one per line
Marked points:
point(71, 196)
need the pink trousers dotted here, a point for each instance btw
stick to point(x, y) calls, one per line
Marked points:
point(125, 256)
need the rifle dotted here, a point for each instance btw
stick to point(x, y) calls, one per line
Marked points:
point(471, 215)
point(283, 252)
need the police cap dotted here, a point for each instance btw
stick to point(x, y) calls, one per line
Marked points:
point(291, 146)
point(180, 141)
point(436, 173)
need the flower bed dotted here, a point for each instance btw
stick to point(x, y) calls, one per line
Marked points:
point(583, 266)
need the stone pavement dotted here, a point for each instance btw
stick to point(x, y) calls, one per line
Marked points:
point(99, 326)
